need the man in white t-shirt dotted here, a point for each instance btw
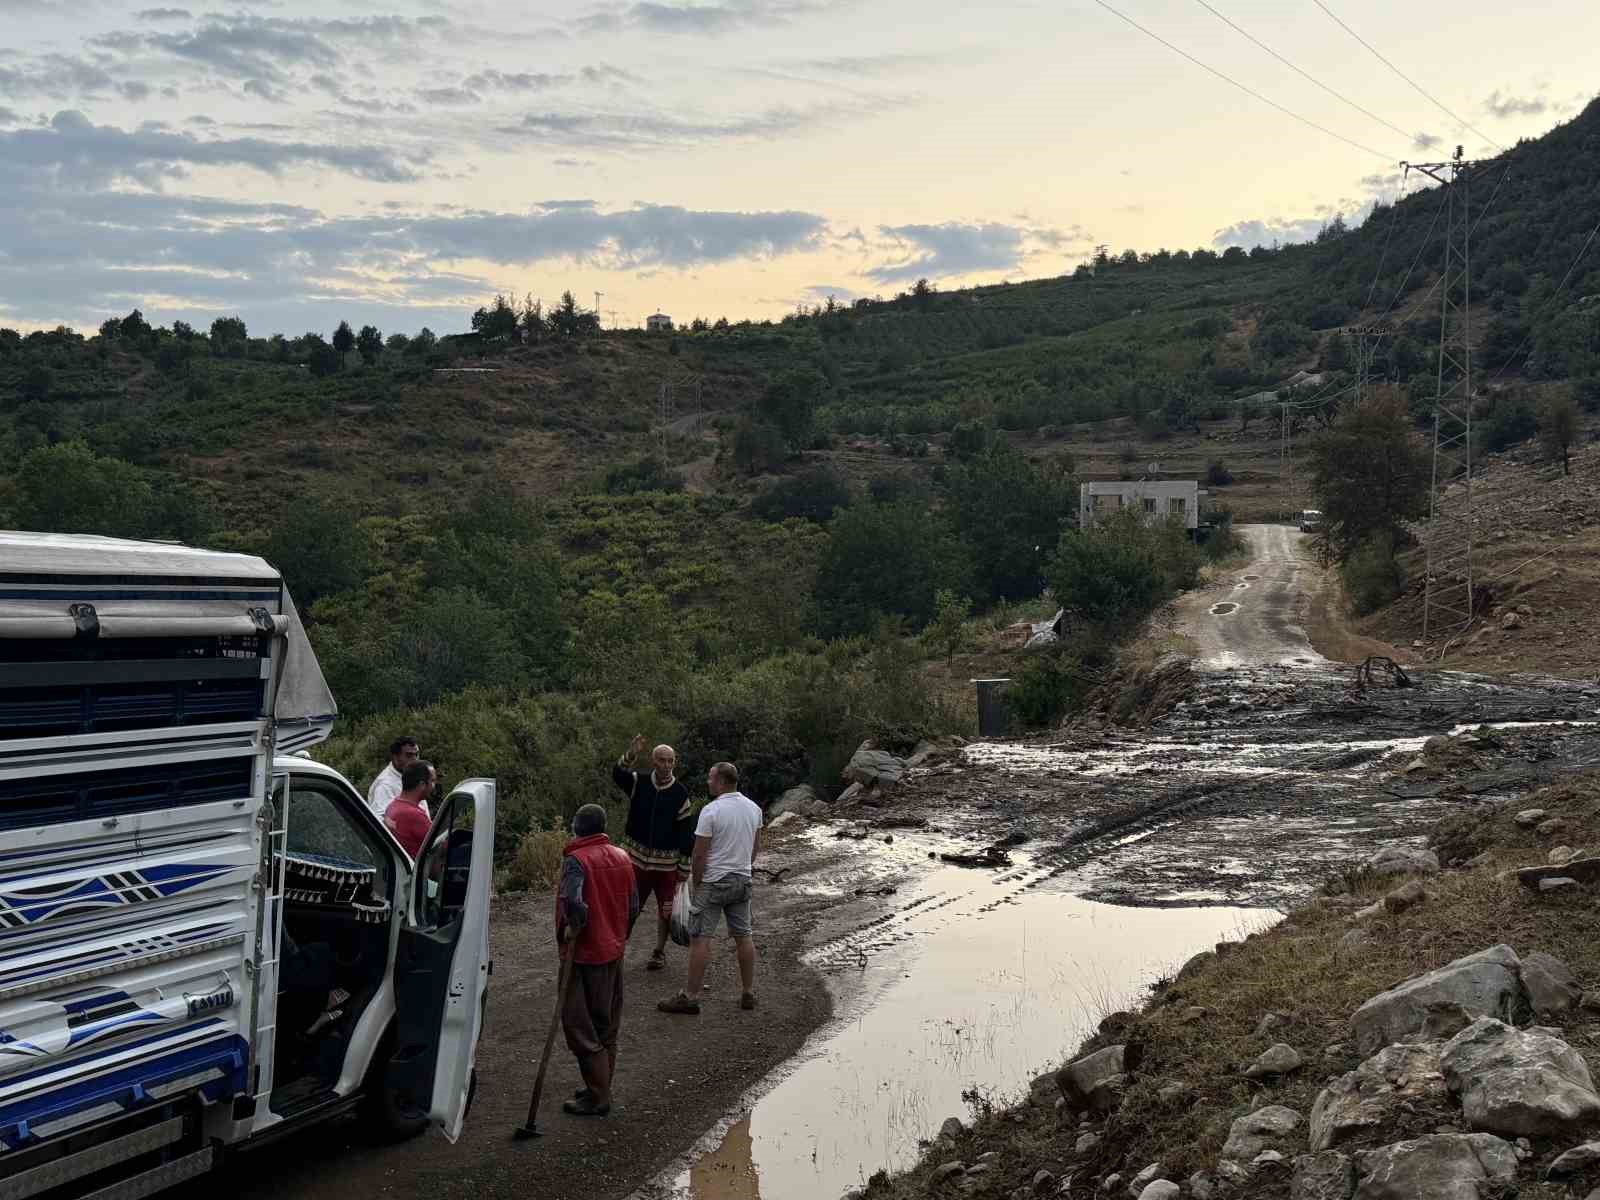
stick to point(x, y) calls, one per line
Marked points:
point(402, 753)
point(727, 838)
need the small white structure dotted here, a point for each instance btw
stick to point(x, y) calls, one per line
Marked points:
point(1153, 499)
point(658, 322)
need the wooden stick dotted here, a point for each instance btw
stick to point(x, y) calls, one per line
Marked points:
point(531, 1127)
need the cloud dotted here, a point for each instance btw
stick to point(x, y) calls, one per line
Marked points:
point(67, 253)
point(701, 19)
point(75, 152)
point(1287, 231)
point(57, 77)
point(650, 131)
point(163, 14)
point(1503, 107)
point(953, 248)
point(1426, 141)
point(489, 83)
point(819, 292)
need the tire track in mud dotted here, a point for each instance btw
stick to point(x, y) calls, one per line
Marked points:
point(1179, 803)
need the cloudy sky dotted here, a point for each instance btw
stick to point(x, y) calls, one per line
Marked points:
point(296, 163)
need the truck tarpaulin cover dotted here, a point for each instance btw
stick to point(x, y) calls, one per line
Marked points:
point(150, 589)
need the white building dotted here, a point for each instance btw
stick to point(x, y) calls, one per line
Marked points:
point(658, 322)
point(1154, 499)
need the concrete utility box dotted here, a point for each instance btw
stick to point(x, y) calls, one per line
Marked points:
point(994, 716)
point(1153, 499)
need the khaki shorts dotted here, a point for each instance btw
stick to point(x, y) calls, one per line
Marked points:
point(731, 895)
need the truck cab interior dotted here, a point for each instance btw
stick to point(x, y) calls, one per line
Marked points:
point(338, 885)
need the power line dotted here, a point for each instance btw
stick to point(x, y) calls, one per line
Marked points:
point(1394, 219)
point(1419, 88)
point(1249, 91)
point(1335, 94)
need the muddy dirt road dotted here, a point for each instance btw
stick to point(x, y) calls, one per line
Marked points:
point(1256, 616)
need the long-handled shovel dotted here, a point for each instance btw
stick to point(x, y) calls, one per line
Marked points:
point(530, 1129)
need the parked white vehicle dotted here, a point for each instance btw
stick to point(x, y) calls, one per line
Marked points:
point(181, 891)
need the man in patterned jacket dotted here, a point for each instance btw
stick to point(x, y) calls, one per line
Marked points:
point(659, 834)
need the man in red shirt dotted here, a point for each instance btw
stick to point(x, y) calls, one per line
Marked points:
point(405, 816)
point(597, 903)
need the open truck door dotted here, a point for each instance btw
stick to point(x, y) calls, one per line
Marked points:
point(442, 974)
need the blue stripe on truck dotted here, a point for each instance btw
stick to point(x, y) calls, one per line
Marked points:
point(129, 1085)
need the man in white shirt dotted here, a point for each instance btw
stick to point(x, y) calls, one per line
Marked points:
point(402, 753)
point(727, 838)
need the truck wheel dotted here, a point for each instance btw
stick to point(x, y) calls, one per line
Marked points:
point(384, 1110)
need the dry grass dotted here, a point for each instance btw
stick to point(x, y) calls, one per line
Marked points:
point(1298, 970)
point(537, 862)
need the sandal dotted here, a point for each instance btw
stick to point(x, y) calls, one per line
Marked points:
point(585, 1108)
point(680, 1004)
point(658, 960)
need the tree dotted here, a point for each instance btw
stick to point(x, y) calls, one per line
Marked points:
point(228, 337)
point(1369, 471)
point(68, 488)
point(886, 560)
point(425, 341)
point(322, 359)
point(790, 403)
point(1558, 428)
point(1114, 573)
point(135, 328)
point(344, 341)
point(947, 631)
point(813, 496)
point(531, 321)
point(397, 343)
point(1008, 510)
point(370, 342)
point(37, 382)
point(496, 324)
point(758, 448)
point(647, 474)
point(319, 548)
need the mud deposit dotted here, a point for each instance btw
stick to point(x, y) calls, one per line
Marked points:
point(967, 990)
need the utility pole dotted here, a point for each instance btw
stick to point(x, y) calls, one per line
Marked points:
point(597, 296)
point(664, 415)
point(1448, 600)
point(1284, 448)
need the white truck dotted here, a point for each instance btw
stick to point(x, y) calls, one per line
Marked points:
point(206, 939)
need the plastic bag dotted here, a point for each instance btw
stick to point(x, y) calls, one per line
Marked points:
point(680, 916)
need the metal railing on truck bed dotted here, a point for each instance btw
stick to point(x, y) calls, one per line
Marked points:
point(140, 699)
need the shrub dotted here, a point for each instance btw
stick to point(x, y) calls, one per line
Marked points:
point(1372, 574)
point(647, 474)
point(1217, 474)
point(1511, 420)
point(1045, 689)
point(814, 496)
point(536, 864)
point(886, 560)
point(1114, 573)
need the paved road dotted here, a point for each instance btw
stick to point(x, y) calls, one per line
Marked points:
point(1256, 616)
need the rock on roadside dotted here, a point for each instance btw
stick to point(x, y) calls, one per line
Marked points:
point(868, 766)
point(1485, 984)
point(1519, 1082)
point(1373, 1093)
point(1328, 1175)
point(1400, 859)
point(1261, 1130)
point(1082, 1076)
point(1443, 1166)
point(1550, 983)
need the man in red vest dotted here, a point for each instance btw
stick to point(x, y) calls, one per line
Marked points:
point(596, 906)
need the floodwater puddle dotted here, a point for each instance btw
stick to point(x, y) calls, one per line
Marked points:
point(981, 996)
point(1222, 610)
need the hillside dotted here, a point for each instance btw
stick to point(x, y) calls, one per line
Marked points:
point(496, 545)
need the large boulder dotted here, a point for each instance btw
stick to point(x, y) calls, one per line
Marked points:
point(801, 800)
point(1519, 1082)
point(1443, 1166)
point(1079, 1078)
point(1398, 858)
point(1550, 983)
point(1264, 1129)
point(1325, 1176)
point(1485, 984)
point(1373, 1093)
point(868, 766)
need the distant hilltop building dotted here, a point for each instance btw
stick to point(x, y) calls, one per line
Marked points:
point(658, 322)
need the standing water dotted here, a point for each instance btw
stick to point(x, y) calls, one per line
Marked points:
point(974, 988)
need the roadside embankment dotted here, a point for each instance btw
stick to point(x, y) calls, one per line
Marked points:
point(1347, 1052)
